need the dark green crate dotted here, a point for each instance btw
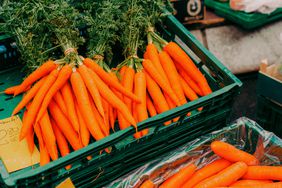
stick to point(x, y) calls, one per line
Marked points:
point(128, 153)
point(243, 19)
point(269, 115)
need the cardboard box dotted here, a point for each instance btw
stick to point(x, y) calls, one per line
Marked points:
point(269, 83)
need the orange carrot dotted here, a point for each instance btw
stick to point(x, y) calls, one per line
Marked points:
point(189, 93)
point(232, 154)
point(48, 136)
point(44, 156)
point(188, 66)
point(111, 117)
point(99, 118)
point(42, 71)
point(264, 173)
point(154, 57)
point(225, 177)
point(29, 136)
point(58, 98)
point(27, 98)
point(36, 103)
point(85, 108)
point(128, 82)
point(61, 141)
point(92, 88)
point(152, 71)
point(63, 77)
point(156, 95)
point(70, 105)
point(206, 172)
point(150, 106)
point(107, 79)
point(180, 177)
point(37, 131)
point(11, 90)
point(121, 72)
point(147, 184)
point(171, 105)
point(64, 125)
point(241, 183)
point(188, 80)
point(83, 131)
point(106, 119)
point(112, 98)
point(173, 77)
point(140, 92)
point(266, 185)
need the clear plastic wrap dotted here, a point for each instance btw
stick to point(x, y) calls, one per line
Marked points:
point(243, 133)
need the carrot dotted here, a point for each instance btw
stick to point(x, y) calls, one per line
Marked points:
point(188, 80)
point(140, 92)
point(10, 90)
point(138, 134)
point(42, 71)
point(207, 171)
point(58, 98)
point(37, 100)
point(189, 93)
point(150, 106)
point(156, 95)
point(173, 76)
point(225, 177)
point(63, 77)
point(153, 55)
point(61, 141)
point(152, 71)
point(48, 136)
point(37, 131)
point(108, 80)
point(266, 185)
point(44, 156)
point(128, 82)
point(147, 184)
point(70, 105)
point(122, 71)
point(112, 98)
point(99, 119)
point(92, 88)
point(188, 66)
point(180, 177)
point(64, 125)
point(145, 56)
point(241, 183)
point(232, 154)
point(85, 108)
point(106, 119)
point(111, 117)
point(83, 131)
point(27, 98)
point(29, 136)
point(264, 173)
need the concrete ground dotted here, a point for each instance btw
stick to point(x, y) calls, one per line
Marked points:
point(242, 51)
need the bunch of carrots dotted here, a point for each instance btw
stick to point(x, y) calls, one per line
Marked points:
point(67, 103)
point(235, 168)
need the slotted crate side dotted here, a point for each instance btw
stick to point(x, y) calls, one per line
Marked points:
point(269, 115)
point(126, 150)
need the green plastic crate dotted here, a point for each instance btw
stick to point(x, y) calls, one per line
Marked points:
point(269, 115)
point(128, 153)
point(245, 20)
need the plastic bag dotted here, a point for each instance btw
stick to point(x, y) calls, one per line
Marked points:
point(244, 134)
point(262, 6)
